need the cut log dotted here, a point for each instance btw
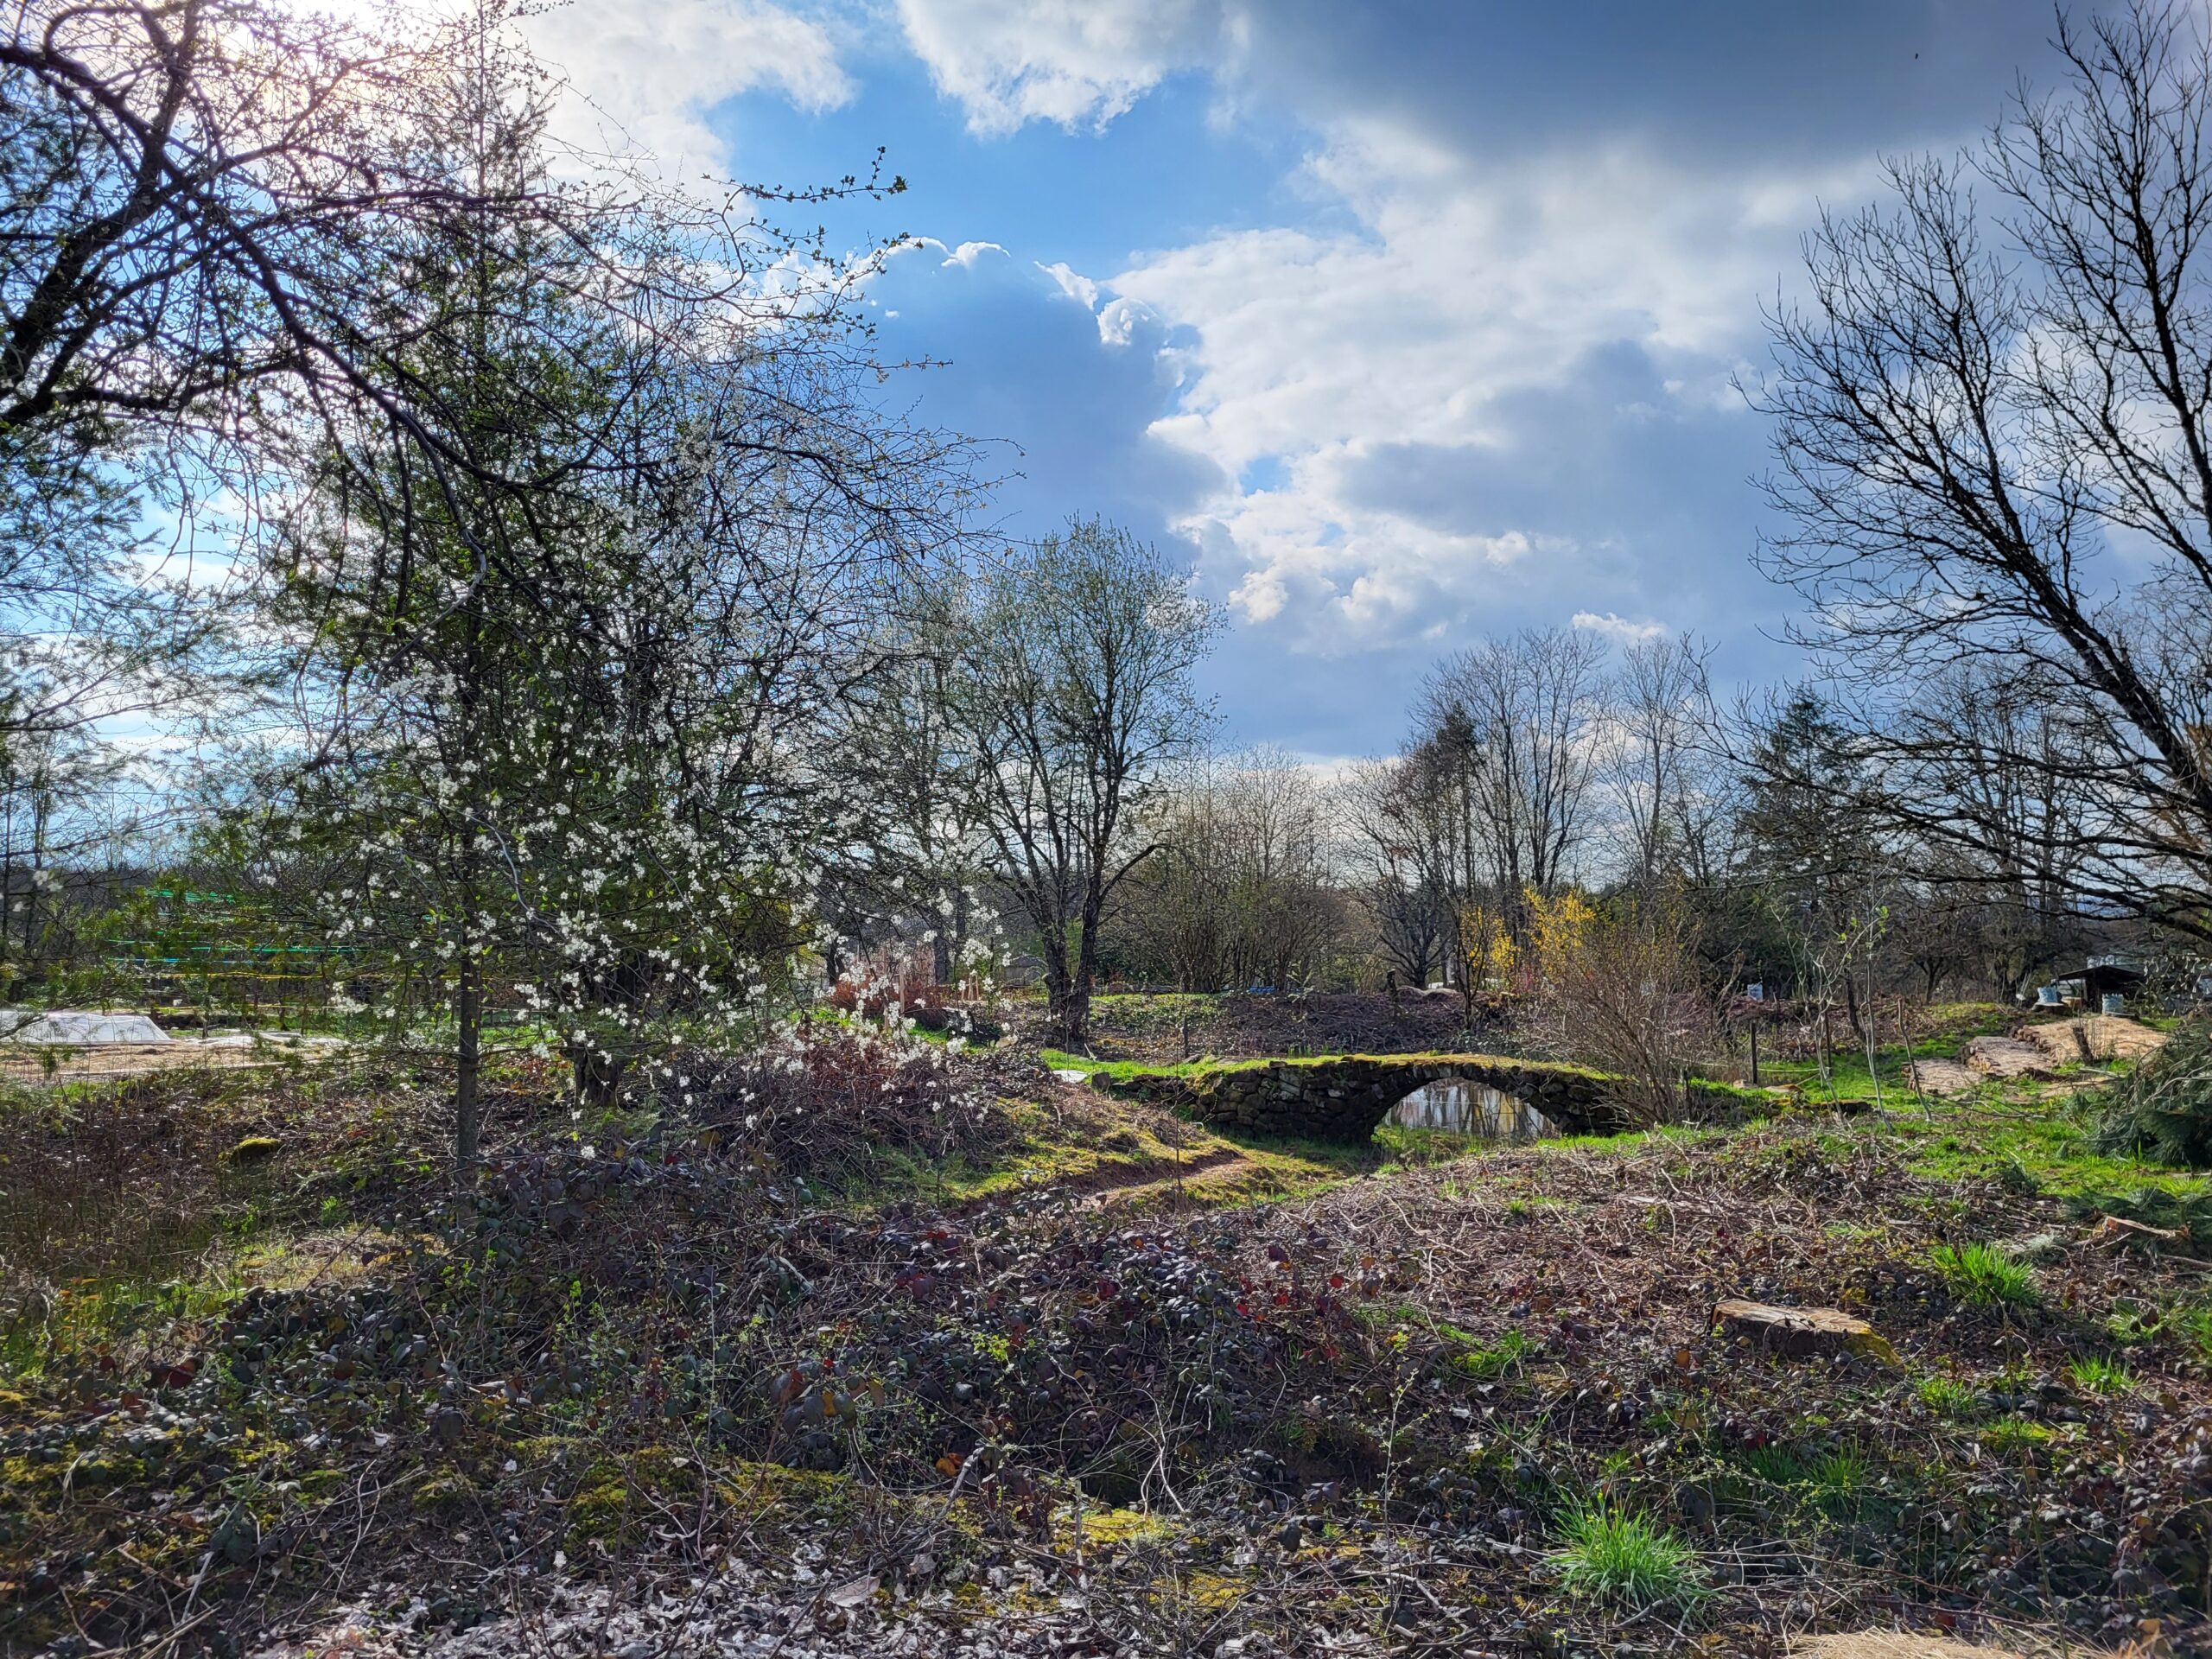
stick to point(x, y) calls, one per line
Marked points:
point(2006, 1056)
point(1802, 1331)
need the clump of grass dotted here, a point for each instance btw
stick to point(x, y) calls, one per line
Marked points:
point(1840, 1480)
point(1946, 1397)
point(2194, 1324)
point(1778, 1465)
point(2129, 1324)
point(2094, 1374)
point(1609, 1556)
point(2014, 1435)
point(1842, 1473)
point(1982, 1276)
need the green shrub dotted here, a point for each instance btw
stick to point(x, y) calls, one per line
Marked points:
point(2163, 1109)
point(1610, 1555)
point(1982, 1276)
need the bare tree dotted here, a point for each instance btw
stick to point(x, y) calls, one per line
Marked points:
point(1512, 719)
point(1403, 849)
point(1985, 749)
point(1075, 695)
point(1668, 795)
point(1979, 397)
point(917, 852)
point(1244, 891)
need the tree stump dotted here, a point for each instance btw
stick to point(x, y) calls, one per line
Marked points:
point(1804, 1331)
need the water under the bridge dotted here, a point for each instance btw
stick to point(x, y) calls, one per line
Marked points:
point(1469, 1107)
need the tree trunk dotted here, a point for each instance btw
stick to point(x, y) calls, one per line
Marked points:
point(1076, 1019)
point(598, 1075)
point(470, 1009)
point(597, 1071)
point(1058, 985)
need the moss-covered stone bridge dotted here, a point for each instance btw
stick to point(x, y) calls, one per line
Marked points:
point(1345, 1096)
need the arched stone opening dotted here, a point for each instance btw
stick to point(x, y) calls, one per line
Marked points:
point(1345, 1097)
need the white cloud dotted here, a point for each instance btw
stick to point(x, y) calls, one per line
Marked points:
point(968, 253)
point(1618, 628)
point(1301, 353)
point(1119, 321)
point(643, 78)
point(1073, 283)
point(1076, 62)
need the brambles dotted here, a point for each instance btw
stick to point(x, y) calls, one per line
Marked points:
point(1982, 1276)
point(828, 1105)
point(924, 1004)
point(641, 1344)
point(1621, 988)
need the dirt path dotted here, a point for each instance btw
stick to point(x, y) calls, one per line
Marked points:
point(1114, 1185)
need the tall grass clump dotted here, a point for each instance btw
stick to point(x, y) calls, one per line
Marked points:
point(1982, 1276)
point(1607, 1554)
point(2163, 1109)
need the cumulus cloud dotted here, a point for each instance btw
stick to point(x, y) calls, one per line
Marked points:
point(968, 253)
point(1119, 320)
point(643, 78)
point(1074, 62)
point(1073, 283)
point(1618, 629)
point(1305, 354)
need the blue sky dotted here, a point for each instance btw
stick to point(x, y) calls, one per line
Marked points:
point(1407, 323)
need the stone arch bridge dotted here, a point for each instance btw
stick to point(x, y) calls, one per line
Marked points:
point(1344, 1096)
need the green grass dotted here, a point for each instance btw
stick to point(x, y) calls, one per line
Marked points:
point(2194, 1324)
point(1946, 1397)
point(2130, 1324)
point(1945, 1028)
point(1146, 1009)
point(1485, 1361)
point(1778, 1465)
point(1982, 1276)
point(2096, 1374)
point(1839, 1479)
point(1607, 1554)
point(1124, 1071)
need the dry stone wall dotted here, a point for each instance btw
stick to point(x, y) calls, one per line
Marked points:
point(1344, 1098)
